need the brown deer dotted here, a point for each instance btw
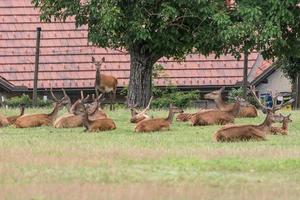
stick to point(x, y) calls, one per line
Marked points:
point(210, 117)
point(12, 119)
point(245, 111)
point(105, 83)
point(35, 120)
point(284, 129)
point(158, 124)
point(105, 124)
point(3, 121)
point(247, 132)
point(137, 116)
point(184, 117)
point(69, 120)
point(94, 110)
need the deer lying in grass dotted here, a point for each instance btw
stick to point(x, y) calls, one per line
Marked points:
point(247, 132)
point(284, 129)
point(137, 116)
point(94, 110)
point(105, 124)
point(211, 117)
point(184, 117)
point(34, 120)
point(245, 110)
point(3, 121)
point(12, 119)
point(158, 124)
point(105, 83)
point(69, 120)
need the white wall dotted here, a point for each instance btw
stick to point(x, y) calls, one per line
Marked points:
point(277, 82)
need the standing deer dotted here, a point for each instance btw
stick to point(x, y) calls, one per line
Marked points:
point(245, 111)
point(12, 119)
point(137, 116)
point(284, 129)
point(105, 83)
point(105, 124)
point(247, 132)
point(34, 120)
point(158, 124)
point(215, 116)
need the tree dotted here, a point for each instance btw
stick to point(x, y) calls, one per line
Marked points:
point(147, 29)
point(271, 27)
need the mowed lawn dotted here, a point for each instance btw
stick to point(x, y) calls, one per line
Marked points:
point(184, 163)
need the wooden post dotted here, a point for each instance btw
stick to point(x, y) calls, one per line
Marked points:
point(245, 75)
point(36, 69)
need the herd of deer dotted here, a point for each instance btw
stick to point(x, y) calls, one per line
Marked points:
point(83, 113)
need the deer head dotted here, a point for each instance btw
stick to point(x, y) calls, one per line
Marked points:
point(65, 101)
point(98, 63)
point(93, 107)
point(214, 94)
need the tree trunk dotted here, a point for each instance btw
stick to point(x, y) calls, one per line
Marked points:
point(140, 83)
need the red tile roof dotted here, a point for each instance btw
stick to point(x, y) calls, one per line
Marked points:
point(65, 56)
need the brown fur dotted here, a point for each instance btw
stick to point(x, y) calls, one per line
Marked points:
point(157, 124)
point(245, 111)
point(246, 132)
point(105, 83)
point(211, 117)
point(3, 121)
point(137, 116)
point(283, 130)
point(12, 119)
point(184, 117)
point(92, 125)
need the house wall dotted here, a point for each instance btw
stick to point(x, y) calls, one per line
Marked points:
point(277, 82)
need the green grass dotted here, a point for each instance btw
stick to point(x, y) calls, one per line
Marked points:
point(184, 163)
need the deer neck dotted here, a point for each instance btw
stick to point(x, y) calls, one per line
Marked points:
point(22, 111)
point(235, 109)
point(220, 103)
point(98, 76)
point(85, 119)
point(266, 125)
point(170, 116)
point(285, 125)
point(54, 113)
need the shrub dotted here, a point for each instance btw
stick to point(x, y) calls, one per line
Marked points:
point(25, 99)
point(172, 95)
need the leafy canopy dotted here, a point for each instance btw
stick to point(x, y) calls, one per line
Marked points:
point(164, 28)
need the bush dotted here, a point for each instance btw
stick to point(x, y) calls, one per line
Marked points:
point(238, 92)
point(172, 95)
point(25, 99)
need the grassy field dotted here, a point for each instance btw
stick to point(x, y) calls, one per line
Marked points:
point(184, 163)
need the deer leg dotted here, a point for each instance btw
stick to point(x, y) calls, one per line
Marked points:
point(114, 93)
point(111, 101)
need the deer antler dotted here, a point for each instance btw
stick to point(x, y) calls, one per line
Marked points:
point(81, 94)
point(252, 91)
point(65, 94)
point(148, 106)
point(53, 96)
point(222, 89)
point(98, 98)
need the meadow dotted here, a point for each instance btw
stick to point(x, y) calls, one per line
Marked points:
point(183, 163)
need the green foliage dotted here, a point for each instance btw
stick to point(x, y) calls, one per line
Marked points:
point(290, 67)
point(238, 92)
point(25, 99)
point(172, 95)
point(270, 27)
